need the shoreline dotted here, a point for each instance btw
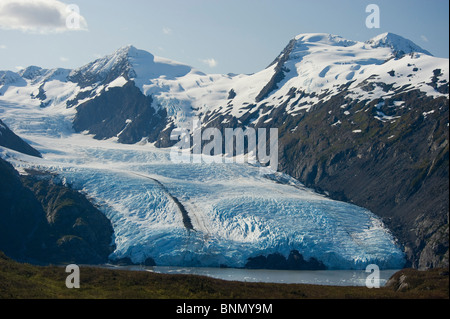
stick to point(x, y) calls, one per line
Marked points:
point(26, 281)
point(276, 276)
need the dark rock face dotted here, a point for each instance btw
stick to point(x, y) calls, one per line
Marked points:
point(44, 222)
point(10, 140)
point(88, 74)
point(79, 232)
point(279, 74)
point(23, 225)
point(122, 112)
point(149, 262)
point(399, 169)
point(295, 261)
point(231, 94)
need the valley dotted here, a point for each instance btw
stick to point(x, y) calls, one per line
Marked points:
point(362, 166)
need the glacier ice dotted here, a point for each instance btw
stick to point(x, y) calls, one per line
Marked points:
point(236, 211)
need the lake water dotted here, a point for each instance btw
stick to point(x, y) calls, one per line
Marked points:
point(316, 277)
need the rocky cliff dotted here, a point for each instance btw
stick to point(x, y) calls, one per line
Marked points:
point(43, 221)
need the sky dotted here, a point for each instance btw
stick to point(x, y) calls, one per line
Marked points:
point(214, 36)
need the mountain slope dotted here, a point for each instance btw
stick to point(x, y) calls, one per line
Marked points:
point(380, 165)
point(44, 222)
point(124, 113)
point(10, 140)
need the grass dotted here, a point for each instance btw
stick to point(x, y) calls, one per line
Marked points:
point(25, 281)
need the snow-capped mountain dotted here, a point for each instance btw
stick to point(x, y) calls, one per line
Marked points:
point(316, 67)
point(399, 45)
point(369, 114)
point(312, 68)
point(131, 64)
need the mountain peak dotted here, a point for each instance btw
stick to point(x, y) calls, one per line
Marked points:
point(399, 44)
point(30, 72)
point(111, 66)
point(130, 51)
point(305, 41)
point(323, 38)
point(130, 63)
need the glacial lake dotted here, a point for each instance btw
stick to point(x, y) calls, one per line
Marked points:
point(316, 277)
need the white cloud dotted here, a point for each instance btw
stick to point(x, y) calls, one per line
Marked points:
point(210, 62)
point(424, 38)
point(63, 59)
point(167, 30)
point(2, 46)
point(40, 16)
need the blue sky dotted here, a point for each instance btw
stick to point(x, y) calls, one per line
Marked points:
point(227, 36)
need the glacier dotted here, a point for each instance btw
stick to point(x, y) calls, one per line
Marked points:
point(236, 210)
point(209, 213)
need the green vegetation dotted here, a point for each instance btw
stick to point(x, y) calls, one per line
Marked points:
point(25, 281)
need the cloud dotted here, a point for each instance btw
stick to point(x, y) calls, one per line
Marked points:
point(424, 38)
point(40, 16)
point(210, 62)
point(63, 59)
point(2, 46)
point(167, 30)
